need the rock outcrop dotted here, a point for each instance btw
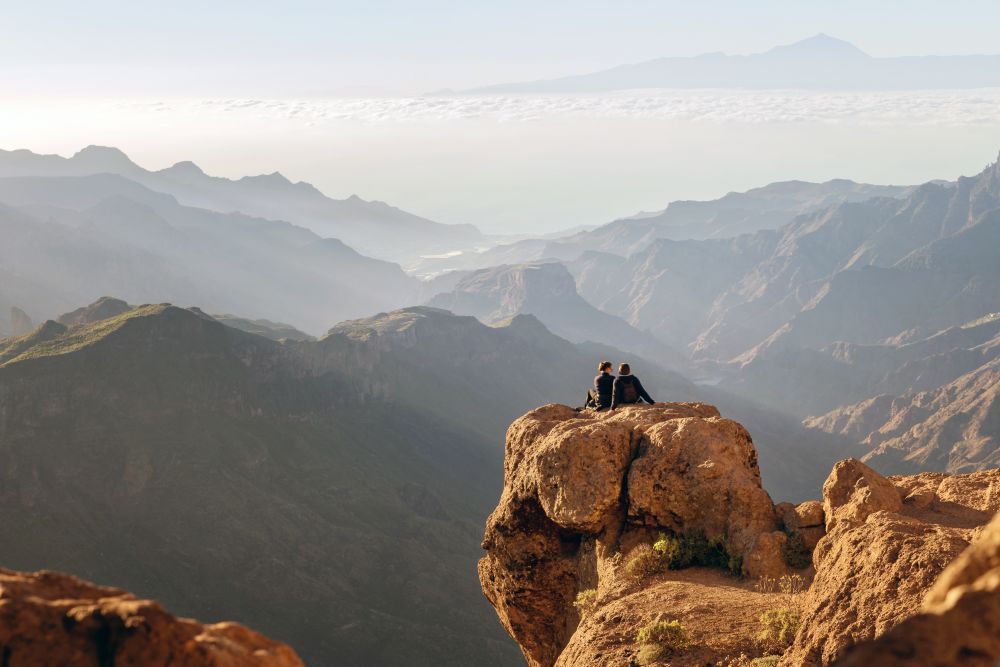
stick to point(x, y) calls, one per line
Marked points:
point(888, 541)
point(580, 488)
point(960, 620)
point(893, 579)
point(48, 618)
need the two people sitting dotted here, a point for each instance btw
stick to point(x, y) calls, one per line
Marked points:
point(609, 391)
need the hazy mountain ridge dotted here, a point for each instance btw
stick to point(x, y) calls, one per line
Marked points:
point(882, 296)
point(371, 227)
point(751, 285)
point(951, 427)
point(548, 291)
point(736, 213)
point(819, 62)
point(73, 239)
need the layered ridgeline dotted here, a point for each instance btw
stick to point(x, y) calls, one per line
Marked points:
point(646, 537)
point(548, 291)
point(886, 296)
point(370, 227)
point(767, 207)
point(69, 240)
point(327, 493)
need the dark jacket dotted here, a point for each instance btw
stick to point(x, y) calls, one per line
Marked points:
point(619, 391)
point(604, 385)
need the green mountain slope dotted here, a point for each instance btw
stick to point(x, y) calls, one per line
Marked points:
point(330, 493)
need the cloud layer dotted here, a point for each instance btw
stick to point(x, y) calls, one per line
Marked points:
point(978, 107)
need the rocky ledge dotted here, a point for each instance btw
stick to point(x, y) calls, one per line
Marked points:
point(48, 618)
point(582, 487)
point(584, 492)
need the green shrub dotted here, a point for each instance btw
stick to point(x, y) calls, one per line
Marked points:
point(644, 561)
point(675, 552)
point(735, 565)
point(586, 602)
point(777, 629)
point(659, 640)
point(795, 553)
point(650, 654)
point(766, 661)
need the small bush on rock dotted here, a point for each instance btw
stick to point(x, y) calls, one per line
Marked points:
point(644, 561)
point(777, 629)
point(659, 640)
point(586, 602)
point(675, 552)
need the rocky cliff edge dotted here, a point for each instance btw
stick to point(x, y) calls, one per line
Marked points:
point(47, 618)
point(585, 492)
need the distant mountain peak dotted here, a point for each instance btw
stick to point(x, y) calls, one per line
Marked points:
point(819, 44)
point(274, 178)
point(104, 157)
point(185, 168)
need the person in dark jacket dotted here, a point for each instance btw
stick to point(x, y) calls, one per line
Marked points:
point(600, 396)
point(627, 389)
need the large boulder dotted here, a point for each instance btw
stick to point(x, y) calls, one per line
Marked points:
point(875, 566)
point(48, 618)
point(581, 487)
point(698, 474)
point(960, 620)
point(853, 491)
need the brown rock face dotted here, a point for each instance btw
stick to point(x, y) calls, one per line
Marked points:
point(807, 520)
point(582, 487)
point(55, 619)
point(876, 565)
point(853, 491)
point(697, 474)
point(960, 620)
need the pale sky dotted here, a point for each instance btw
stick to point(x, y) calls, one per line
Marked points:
point(299, 47)
point(330, 93)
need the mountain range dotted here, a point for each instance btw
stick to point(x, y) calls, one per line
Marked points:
point(71, 239)
point(734, 214)
point(867, 312)
point(321, 490)
point(820, 62)
point(233, 461)
point(328, 492)
point(371, 227)
point(548, 291)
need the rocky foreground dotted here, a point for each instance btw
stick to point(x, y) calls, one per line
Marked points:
point(880, 572)
point(48, 618)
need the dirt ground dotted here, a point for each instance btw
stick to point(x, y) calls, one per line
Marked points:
point(719, 611)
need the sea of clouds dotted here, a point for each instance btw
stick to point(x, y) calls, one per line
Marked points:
point(936, 107)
